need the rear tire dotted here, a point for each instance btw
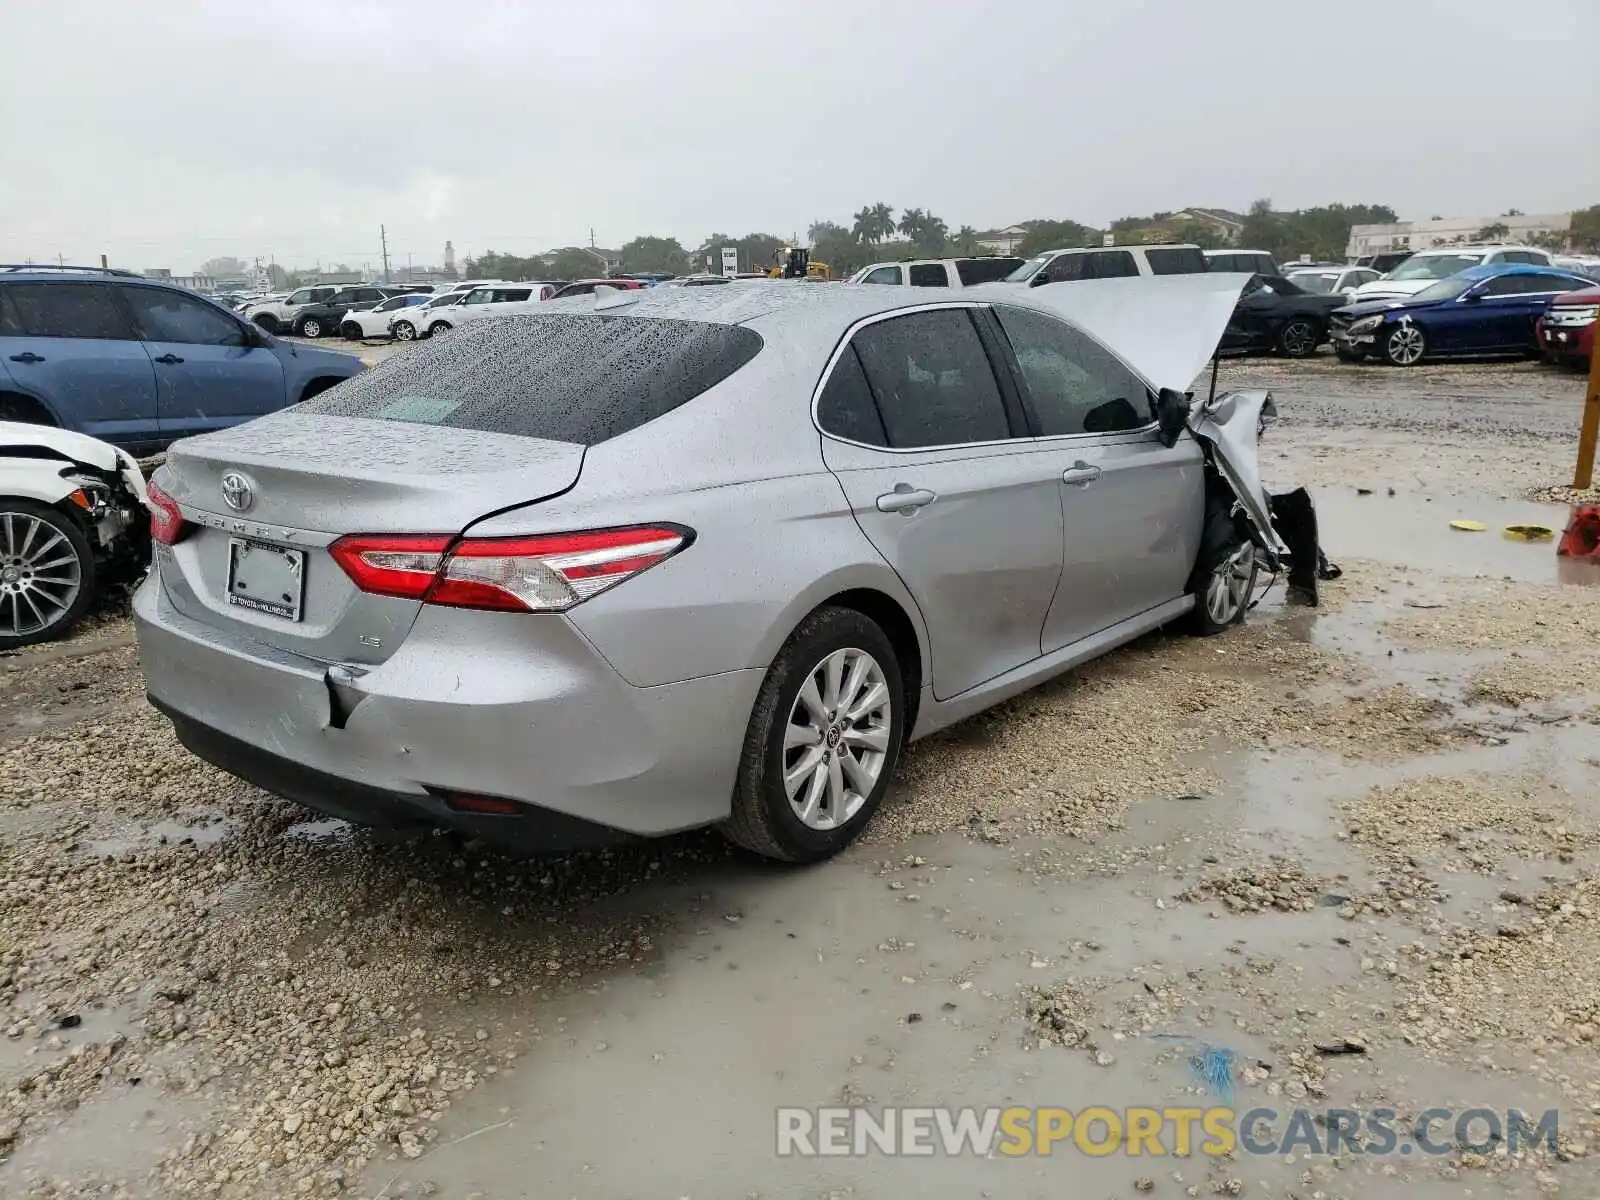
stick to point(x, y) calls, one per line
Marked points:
point(827, 723)
point(33, 611)
point(439, 327)
point(1224, 577)
point(351, 331)
point(268, 322)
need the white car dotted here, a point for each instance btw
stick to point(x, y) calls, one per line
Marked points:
point(73, 519)
point(277, 314)
point(938, 272)
point(481, 302)
point(1426, 267)
point(378, 321)
point(1331, 281)
point(1109, 262)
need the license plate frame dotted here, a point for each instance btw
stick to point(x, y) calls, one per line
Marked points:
point(286, 578)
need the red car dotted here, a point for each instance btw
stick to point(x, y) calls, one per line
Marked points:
point(586, 287)
point(1566, 331)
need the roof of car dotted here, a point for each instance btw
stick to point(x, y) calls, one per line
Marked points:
point(1109, 249)
point(1235, 250)
point(1475, 247)
point(1495, 270)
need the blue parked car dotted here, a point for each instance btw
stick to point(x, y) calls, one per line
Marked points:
point(1483, 310)
point(140, 363)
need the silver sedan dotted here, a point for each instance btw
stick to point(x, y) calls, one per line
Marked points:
point(662, 559)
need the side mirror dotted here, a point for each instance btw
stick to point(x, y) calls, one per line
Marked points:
point(1172, 415)
point(1471, 297)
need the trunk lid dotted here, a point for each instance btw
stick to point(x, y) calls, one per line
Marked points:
point(312, 478)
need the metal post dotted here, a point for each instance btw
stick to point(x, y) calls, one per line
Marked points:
point(383, 234)
point(1584, 476)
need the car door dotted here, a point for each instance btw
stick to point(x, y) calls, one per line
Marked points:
point(1496, 315)
point(922, 436)
point(1252, 326)
point(210, 371)
point(69, 345)
point(1132, 508)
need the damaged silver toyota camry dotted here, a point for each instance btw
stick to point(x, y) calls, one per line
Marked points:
point(683, 557)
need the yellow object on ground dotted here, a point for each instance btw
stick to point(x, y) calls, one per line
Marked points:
point(1529, 533)
point(1469, 526)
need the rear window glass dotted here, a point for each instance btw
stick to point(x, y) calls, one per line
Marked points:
point(1182, 261)
point(568, 377)
point(985, 270)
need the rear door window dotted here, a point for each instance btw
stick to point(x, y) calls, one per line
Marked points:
point(1066, 268)
point(928, 275)
point(568, 377)
point(932, 380)
point(1074, 384)
point(506, 295)
point(985, 270)
point(1111, 264)
point(68, 310)
point(1182, 260)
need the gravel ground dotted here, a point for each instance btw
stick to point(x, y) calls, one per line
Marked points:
point(1371, 827)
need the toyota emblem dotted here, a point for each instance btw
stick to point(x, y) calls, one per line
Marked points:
point(237, 493)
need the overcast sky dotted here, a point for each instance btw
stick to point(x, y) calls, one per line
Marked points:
point(163, 132)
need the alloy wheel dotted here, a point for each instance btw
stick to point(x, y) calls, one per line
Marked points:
point(1406, 345)
point(836, 743)
point(1299, 339)
point(405, 331)
point(40, 574)
point(312, 328)
point(1228, 589)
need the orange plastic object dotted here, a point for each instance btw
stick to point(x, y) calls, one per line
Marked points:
point(1582, 536)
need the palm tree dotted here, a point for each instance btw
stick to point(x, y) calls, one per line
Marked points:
point(882, 221)
point(911, 222)
point(865, 227)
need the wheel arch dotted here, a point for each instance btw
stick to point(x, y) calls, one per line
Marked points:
point(30, 410)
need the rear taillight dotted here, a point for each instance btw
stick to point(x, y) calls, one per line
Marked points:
point(167, 525)
point(545, 573)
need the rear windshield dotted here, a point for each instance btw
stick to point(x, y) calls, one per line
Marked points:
point(568, 377)
point(1183, 260)
point(985, 270)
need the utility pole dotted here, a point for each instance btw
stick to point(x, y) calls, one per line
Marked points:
point(383, 235)
point(1589, 429)
point(103, 263)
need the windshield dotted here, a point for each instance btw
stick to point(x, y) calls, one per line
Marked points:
point(1445, 289)
point(1435, 266)
point(1028, 269)
point(1318, 282)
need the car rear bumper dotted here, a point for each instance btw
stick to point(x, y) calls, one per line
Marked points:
point(507, 706)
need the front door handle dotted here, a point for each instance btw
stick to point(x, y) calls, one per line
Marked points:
point(168, 360)
point(27, 356)
point(1080, 474)
point(905, 499)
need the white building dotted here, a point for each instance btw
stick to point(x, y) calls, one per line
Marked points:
point(1446, 231)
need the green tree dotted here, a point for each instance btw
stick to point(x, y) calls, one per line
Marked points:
point(654, 254)
point(1493, 232)
point(756, 250)
point(225, 265)
point(1055, 235)
point(1585, 229)
point(965, 241)
point(1549, 240)
point(925, 231)
point(843, 251)
point(277, 277)
point(874, 223)
point(1197, 233)
point(1264, 229)
point(572, 262)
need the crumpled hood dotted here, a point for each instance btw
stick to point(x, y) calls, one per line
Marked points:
point(79, 447)
point(1166, 327)
point(1372, 308)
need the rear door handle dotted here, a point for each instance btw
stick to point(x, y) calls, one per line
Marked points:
point(27, 356)
point(168, 359)
point(905, 499)
point(1080, 474)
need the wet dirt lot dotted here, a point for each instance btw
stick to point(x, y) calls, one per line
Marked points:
point(1340, 858)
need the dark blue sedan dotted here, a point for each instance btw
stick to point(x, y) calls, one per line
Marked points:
point(1483, 310)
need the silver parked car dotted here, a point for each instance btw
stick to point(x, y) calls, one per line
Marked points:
point(686, 556)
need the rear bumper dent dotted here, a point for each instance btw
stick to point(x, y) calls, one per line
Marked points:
point(496, 707)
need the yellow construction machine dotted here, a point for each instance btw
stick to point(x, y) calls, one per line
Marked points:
point(794, 262)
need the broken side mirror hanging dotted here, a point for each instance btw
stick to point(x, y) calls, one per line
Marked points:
point(1172, 415)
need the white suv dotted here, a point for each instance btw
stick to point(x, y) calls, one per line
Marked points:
point(482, 302)
point(273, 315)
point(1427, 267)
point(938, 272)
point(1108, 262)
